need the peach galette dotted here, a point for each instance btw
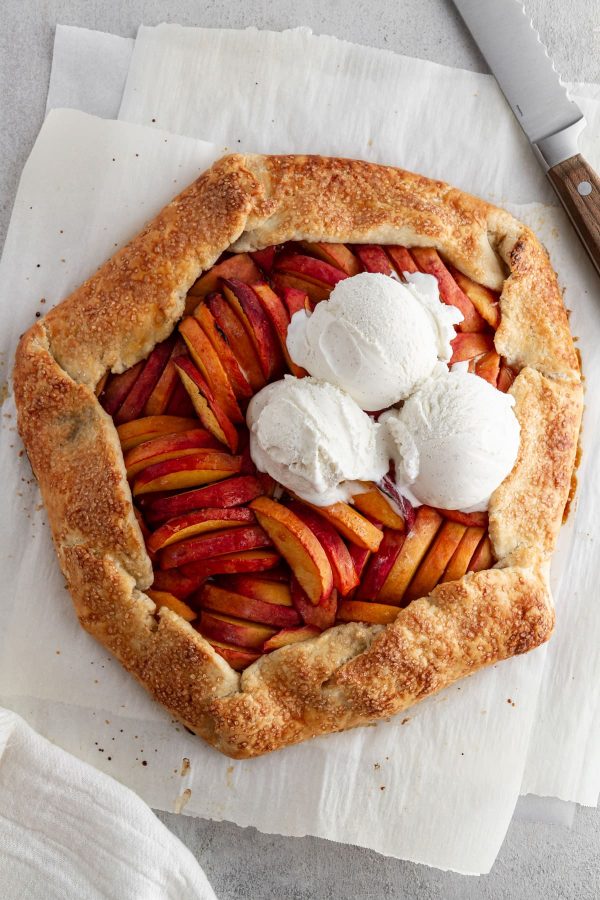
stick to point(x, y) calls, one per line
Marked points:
point(305, 445)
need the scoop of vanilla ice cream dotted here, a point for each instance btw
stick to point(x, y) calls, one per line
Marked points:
point(375, 337)
point(453, 441)
point(313, 438)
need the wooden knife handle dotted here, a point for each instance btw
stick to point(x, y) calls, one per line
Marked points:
point(578, 189)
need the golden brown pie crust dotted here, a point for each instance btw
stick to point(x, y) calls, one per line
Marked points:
point(351, 674)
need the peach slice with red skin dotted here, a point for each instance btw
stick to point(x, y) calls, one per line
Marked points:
point(180, 403)
point(175, 582)
point(459, 562)
point(158, 401)
point(131, 434)
point(280, 321)
point(237, 657)
point(210, 366)
point(480, 519)
point(483, 558)
point(171, 446)
point(215, 543)
point(186, 471)
point(338, 255)
point(247, 307)
point(315, 292)
point(231, 563)
point(239, 341)
point(483, 299)
point(468, 345)
point(373, 503)
point(321, 616)
point(231, 630)
point(261, 588)
point(295, 300)
point(435, 560)
point(218, 599)
point(360, 557)
point(290, 636)
point(506, 376)
point(374, 259)
point(414, 548)
point(402, 260)
point(135, 401)
point(264, 259)
point(380, 565)
point(241, 266)
point(119, 386)
point(365, 611)
point(164, 598)
point(207, 409)
point(298, 545)
point(351, 525)
point(240, 384)
point(230, 492)
point(342, 567)
point(198, 522)
point(430, 262)
point(317, 271)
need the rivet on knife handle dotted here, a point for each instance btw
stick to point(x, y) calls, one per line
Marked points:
point(578, 188)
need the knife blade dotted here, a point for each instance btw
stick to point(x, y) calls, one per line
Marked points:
point(552, 122)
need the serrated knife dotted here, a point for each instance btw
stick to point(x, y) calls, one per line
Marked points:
point(512, 48)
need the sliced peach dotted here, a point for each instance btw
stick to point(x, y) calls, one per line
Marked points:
point(251, 314)
point(290, 636)
point(215, 543)
point(230, 630)
point(459, 562)
point(315, 292)
point(413, 550)
point(175, 582)
point(295, 300)
point(180, 403)
point(374, 503)
point(239, 266)
point(435, 561)
point(488, 367)
point(364, 611)
point(338, 255)
point(480, 519)
point(430, 262)
point(209, 364)
point(280, 321)
point(342, 567)
point(309, 269)
point(198, 522)
point(321, 616)
point(236, 657)
point(298, 545)
point(240, 384)
point(223, 494)
point(158, 401)
point(264, 259)
point(261, 588)
point(468, 345)
point(221, 600)
point(101, 384)
point(360, 557)
point(171, 446)
point(238, 339)
point(373, 258)
point(380, 565)
point(207, 409)
point(402, 260)
point(141, 430)
point(164, 598)
point(202, 467)
point(483, 558)
point(230, 563)
point(506, 376)
point(351, 525)
point(133, 405)
point(483, 299)
point(118, 387)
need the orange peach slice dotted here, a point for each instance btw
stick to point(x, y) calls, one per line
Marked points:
point(480, 519)
point(164, 598)
point(218, 599)
point(402, 260)
point(209, 364)
point(236, 657)
point(133, 405)
point(141, 430)
point(199, 522)
point(118, 387)
point(215, 543)
point(483, 299)
point(430, 262)
point(173, 445)
point(435, 561)
point(373, 503)
point(251, 314)
point(158, 401)
point(370, 613)
point(315, 292)
point(380, 565)
point(414, 548)
point(207, 409)
point(280, 321)
point(230, 563)
point(260, 588)
point(230, 630)
point(321, 616)
point(506, 376)
point(483, 558)
point(374, 259)
point(174, 582)
point(488, 367)
point(468, 345)
point(234, 491)
point(338, 255)
point(342, 567)
point(310, 269)
point(238, 339)
point(101, 384)
point(239, 382)
point(298, 545)
point(459, 563)
point(351, 525)
point(186, 471)
point(239, 266)
point(290, 636)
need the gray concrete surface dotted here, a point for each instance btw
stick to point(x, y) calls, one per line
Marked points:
point(536, 861)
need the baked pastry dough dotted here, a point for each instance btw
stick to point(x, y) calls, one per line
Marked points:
point(354, 673)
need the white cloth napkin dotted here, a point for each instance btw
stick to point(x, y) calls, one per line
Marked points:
point(67, 831)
